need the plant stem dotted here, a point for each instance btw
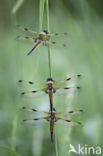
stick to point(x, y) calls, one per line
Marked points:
point(56, 146)
point(41, 13)
point(48, 26)
point(10, 150)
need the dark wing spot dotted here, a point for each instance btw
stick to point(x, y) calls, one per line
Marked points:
point(78, 87)
point(20, 81)
point(33, 91)
point(79, 123)
point(71, 112)
point(67, 88)
point(30, 82)
point(68, 79)
point(79, 75)
point(26, 29)
point(34, 110)
point(23, 107)
point(81, 110)
point(36, 119)
point(54, 42)
point(56, 34)
point(27, 37)
point(24, 120)
point(68, 120)
point(22, 93)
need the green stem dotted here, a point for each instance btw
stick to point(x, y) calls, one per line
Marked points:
point(41, 13)
point(14, 128)
point(10, 150)
point(56, 146)
point(48, 26)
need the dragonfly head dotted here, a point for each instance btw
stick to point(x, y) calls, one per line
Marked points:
point(50, 80)
point(46, 31)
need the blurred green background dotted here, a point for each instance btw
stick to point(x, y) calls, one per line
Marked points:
point(83, 20)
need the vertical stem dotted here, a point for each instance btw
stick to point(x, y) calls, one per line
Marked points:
point(14, 128)
point(56, 146)
point(48, 26)
point(41, 13)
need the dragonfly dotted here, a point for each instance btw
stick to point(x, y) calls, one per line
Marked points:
point(50, 87)
point(38, 38)
point(52, 118)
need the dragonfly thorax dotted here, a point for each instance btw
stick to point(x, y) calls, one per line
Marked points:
point(52, 116)
point(50, 88)
point(41, 36)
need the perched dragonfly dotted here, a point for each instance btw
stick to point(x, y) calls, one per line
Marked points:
point(52, 119)
point(50, 87)
point(43, 37)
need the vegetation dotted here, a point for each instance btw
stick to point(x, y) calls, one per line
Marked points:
point(83, 55)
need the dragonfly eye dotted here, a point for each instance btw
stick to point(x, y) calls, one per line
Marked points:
point(45, 31)
point(46, 91)
point(54, 90)
point(50, 79)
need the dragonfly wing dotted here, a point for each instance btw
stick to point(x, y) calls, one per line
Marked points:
point(26, 38)
point(31, 83)
point(65, 90)
point(27, 30)
point(67, 122)
point(34, 110)
point(55, 43)
point(68, 79)
point(34, 92)
point(70, 112)
point(57, 34)
point(36, 121)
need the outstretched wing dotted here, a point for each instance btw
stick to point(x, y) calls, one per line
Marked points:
point(33, 92)
point(57, 34)
point(55, 43)
point(34, 110)
point(68, 79)
point(67, 122)
point(26, 38)
point(70, 112)
point(65, 90)
point(36, 121)
point(31, 83)
point(27, 30)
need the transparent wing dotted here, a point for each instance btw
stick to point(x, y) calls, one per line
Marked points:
point(34, 110)
point(65, 90)
point(36, 121)
point(34, 92)
point(57, 34)
point(70, 112)
point(31, 83)
point(55, 43)
point(67, 122)
point(27, 30)
point(68, 79)
point(26, 38)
